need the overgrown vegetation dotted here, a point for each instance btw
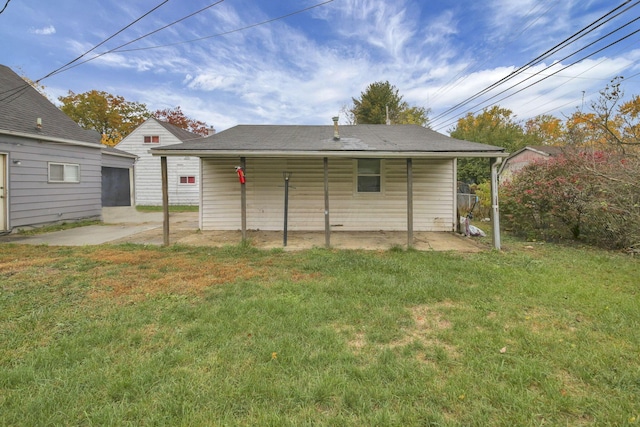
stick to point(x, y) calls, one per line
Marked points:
point(129, 335)
point(581, 195)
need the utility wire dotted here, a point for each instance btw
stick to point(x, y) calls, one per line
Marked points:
point(559, 61)
point(458, 79)
point(586, 30)
point(68, 66)
point(546, 77)
point(226, 32)
point(5, 6)
point(577, 76)
point(13, 93)
point(140, 38)
point(102, 42)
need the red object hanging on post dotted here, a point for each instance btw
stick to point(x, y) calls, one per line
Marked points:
point(240, 173)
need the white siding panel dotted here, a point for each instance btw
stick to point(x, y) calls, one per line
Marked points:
point(433, 195)
point(147, 173)
point(220, 208)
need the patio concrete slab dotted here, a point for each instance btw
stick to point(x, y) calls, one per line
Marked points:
point(126, 225)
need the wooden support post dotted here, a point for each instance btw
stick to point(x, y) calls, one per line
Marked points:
point(327, 223)
point(495, 211)
point(243, 202)
point(409, 203)
point(165, 200)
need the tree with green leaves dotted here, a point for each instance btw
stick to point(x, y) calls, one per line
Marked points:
point(493, 126)
point(380, 97)
point(112, 116)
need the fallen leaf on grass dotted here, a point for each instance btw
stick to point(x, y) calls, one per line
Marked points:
point(503, 350)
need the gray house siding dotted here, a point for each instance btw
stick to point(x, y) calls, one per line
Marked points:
point(32, 199)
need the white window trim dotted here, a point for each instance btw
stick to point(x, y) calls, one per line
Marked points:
point(188, 184)
point(64, 175)
point(151, 139)
point(365, 193)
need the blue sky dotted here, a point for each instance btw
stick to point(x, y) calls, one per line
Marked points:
point(304, 68)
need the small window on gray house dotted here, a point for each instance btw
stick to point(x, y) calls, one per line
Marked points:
point(64, 172)
point(369, 176)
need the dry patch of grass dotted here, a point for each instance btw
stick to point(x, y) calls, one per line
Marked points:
point(141, 274)
point(428, 320)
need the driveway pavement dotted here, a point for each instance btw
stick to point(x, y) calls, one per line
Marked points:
point(119, 223)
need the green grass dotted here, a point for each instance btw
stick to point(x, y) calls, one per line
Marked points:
point(172, 208)
point(128, 335)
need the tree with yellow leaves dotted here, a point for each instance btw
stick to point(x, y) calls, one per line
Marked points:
point(110, 115)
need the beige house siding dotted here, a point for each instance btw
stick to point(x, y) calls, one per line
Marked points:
point(147, 174)
point(433, 191)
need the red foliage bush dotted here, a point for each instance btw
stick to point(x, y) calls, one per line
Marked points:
point(590, 196)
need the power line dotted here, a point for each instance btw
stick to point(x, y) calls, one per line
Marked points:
point(566, 42)
point(544, 78)
point(14, 93)
point(559, 61)
point(143, 36)
point(102, 42)
point(577, 76)
point(458, 79)
point(226, 32)
point(5, 6)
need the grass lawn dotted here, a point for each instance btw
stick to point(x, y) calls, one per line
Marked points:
point(130, 335)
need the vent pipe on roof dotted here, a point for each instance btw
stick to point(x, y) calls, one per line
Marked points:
point(336, 133)
point(211, 131)
point(39, 123)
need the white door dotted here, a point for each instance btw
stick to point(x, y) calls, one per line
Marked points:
point(3, 192)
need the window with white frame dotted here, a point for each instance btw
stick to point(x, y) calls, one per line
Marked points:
point(151, 139)
point(369, 176)
point(187, 180)
point(64, 172)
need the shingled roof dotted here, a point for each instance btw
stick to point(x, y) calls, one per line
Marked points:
point(21, 105)
point(182, 134)
point(320, 141)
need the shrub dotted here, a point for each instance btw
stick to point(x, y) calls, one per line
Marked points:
point(588, 196)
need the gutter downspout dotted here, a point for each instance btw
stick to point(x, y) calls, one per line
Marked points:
point(495, 211)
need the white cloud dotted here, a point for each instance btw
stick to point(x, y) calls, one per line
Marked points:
point(45, 31)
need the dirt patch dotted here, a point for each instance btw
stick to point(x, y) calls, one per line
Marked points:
point(300, 240)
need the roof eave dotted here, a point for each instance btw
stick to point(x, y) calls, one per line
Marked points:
point(50, 139)
point(319, 154)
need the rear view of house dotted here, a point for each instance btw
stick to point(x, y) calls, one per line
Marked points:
point(352, 178)
point(50, 168)
point(184, 171)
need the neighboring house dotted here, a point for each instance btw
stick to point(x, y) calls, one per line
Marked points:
point(183, 172)
point(373, 177)
point(523, 157)
point(50, 168)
